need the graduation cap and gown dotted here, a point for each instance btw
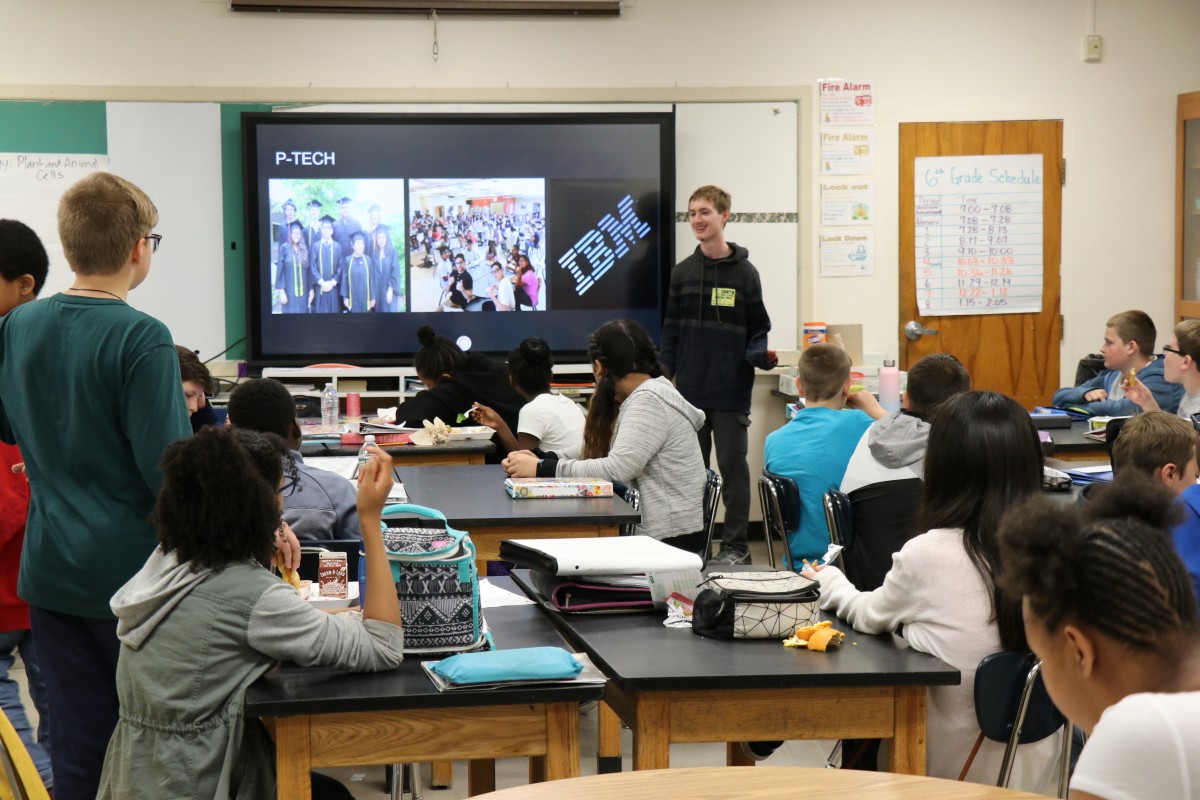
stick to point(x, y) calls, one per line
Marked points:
point(360, 281)
point(292, 277)
point(344, 230)
point(312, 233)
point(325, 263)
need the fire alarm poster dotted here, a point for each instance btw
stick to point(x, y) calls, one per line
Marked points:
point(845, 102)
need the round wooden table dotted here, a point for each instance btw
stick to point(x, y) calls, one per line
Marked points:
point(758, 783)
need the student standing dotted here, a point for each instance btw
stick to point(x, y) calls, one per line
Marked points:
point(346, 226)
point(360, 279)
point(326, 265)
point(23, 268)
point(293, 280)
point(714, 335)
point(312, 231)
point(388, 264)
point(94, 476)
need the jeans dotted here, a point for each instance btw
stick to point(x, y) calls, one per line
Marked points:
point(10, 699)
point(78, 657)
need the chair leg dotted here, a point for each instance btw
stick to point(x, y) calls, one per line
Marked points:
point(1010, 751)
point(1064, 764)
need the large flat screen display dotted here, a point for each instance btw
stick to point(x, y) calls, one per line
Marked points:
point(363, 227)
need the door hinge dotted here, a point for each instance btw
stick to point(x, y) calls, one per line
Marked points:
point(1062, 327)
point(1063, 173)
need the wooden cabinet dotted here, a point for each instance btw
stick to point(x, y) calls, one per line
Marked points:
point(1187, 204)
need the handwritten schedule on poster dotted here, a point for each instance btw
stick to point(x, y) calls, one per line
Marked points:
point(979, 234)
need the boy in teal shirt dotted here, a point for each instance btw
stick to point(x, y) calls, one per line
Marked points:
point(90, 391)
point(814, 448)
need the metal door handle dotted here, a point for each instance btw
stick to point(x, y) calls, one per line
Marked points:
point(914, 330)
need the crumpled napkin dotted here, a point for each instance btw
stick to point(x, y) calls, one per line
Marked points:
point(436, 432)
point(387, 414)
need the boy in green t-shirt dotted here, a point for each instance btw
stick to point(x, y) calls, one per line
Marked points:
point(90, 391)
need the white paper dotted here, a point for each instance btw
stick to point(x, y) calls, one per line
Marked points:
point(978, 237)
point(847, 151)
point(345, 467)
point(847, 252)
point(663, 584)
point(492, 596)
point(847, 201)
point(847, 102)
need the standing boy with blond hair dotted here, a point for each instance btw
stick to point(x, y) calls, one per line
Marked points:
point(90, 391)
point(714, 335)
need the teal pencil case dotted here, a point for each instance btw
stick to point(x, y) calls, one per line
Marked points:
point(496, 666)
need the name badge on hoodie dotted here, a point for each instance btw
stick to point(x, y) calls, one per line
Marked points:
point(724, 297)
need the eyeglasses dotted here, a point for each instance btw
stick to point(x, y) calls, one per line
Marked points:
point(1168, 349)
point(153, 239)
point(288, 487)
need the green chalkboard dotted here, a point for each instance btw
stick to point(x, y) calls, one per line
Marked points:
point(42, 127)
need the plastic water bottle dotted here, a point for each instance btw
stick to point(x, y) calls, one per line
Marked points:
point(889, 386)
point(329, 407)
point(364, 453)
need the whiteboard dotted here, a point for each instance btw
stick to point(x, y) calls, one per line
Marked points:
point(31, 185)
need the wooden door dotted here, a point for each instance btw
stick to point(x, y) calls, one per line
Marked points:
point(1016, 354)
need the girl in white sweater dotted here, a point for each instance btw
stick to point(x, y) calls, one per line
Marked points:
point(639, 431)
point(1110, 611)
point(983, 458)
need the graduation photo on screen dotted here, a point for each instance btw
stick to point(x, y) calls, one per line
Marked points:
point(344, 253)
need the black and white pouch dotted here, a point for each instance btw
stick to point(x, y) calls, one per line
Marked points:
point(755, 605)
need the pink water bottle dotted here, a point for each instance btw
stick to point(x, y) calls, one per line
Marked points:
point(889, 386)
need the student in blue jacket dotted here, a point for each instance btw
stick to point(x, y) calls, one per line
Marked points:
point(1128, 348)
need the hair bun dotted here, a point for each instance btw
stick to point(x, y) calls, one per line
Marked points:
point(537, 351)
point(426, 335)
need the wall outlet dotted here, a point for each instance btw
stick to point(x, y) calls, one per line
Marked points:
point(1091, 47)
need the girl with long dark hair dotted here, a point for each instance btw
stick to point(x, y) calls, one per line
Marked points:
point(639, 431)
point(942, 591)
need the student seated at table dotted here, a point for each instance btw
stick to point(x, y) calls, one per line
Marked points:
point(205, 617)
point(884, 476)
point(1128, 347)
point(1109, 610)
point(322, 504)
point(455, 381)
point(198, 386)
point(814, 447)
point(983, 457)
point(1179, 360)
point(547, 421)
point(1163, 448)
point(639, 431)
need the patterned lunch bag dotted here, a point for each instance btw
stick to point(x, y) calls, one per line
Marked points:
point(754, 605)
point(437, 583)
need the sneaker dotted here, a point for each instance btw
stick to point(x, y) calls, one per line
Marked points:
point(759, 751)
point(729, 556)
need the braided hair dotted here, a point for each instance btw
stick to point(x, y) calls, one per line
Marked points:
point(1111, 566)
point(621, 346)
point(438, 357)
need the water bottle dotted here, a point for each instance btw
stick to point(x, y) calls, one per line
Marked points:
point(889, 386)
point(329, 407)
point(364, 453)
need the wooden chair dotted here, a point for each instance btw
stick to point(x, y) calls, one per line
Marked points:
point(19, 779)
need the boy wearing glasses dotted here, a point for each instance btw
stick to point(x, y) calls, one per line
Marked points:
point(322, 505)
point(90, 392)
point(1179, 366)
point(1129, 359)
